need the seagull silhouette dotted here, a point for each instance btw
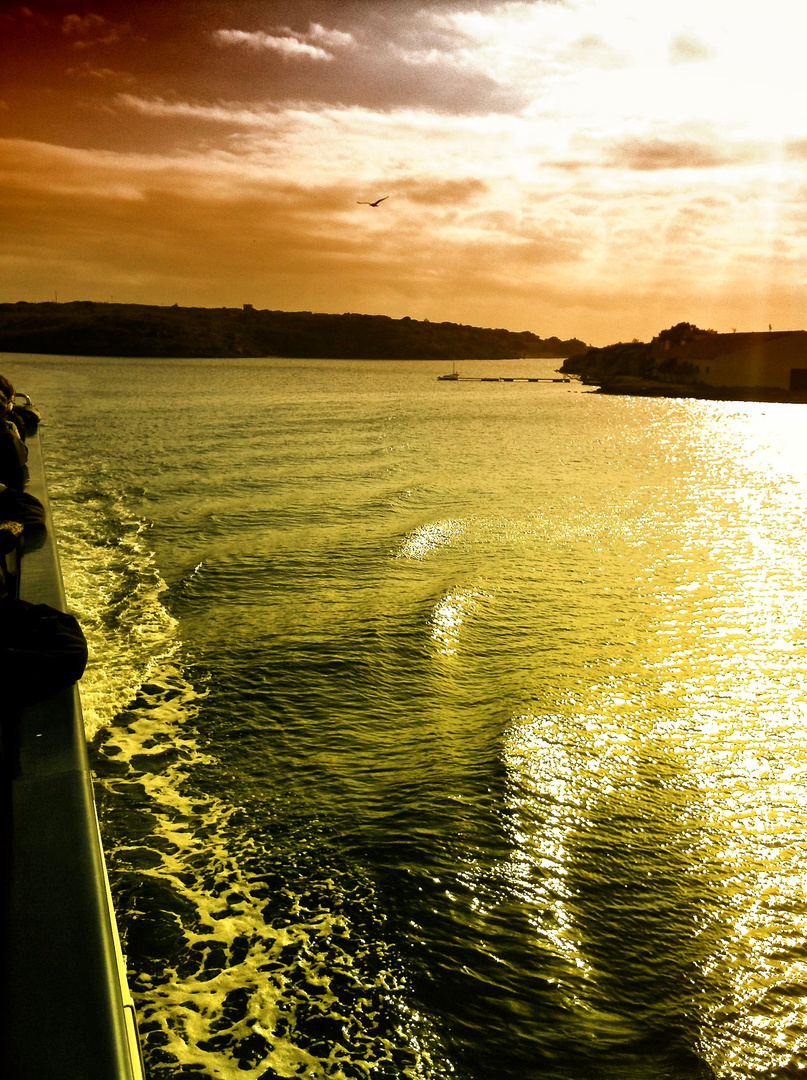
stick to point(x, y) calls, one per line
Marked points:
point(361, 203)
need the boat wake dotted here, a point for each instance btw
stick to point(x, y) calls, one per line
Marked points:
point(241, 959)
point(249, 954)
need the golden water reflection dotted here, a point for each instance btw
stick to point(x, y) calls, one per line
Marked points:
point(663, 799)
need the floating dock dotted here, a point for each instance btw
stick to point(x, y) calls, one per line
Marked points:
point(497, 378)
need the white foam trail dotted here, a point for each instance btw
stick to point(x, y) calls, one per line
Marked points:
point(239, 999)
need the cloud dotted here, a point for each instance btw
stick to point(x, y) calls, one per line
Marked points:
point(24, 16)
point(447, 192)
point(83, 24)
point(332, 38)
point(687, 147)
point(545, 160)
point(377, 56)
point(592, 50)
point(232, 114)
point(659, 153)
point(209, 230)
point(363, 145)
point(288, 43)
point(196, 221)
point(286, 46)
point(87, 70)
point(92, 29)
point(688, 49)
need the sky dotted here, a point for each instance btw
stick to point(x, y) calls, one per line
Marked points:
point(599, 169)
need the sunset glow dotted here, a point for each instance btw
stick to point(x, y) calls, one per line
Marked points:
point(590, 168)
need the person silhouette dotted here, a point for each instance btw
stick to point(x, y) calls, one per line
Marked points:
point(13, 451)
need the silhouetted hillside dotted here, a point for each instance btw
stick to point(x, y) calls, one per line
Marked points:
point(635, 360)
point(84, 328)
point(611, 361)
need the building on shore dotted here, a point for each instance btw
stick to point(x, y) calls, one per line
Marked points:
point(776, 359)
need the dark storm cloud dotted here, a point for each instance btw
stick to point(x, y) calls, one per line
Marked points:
point(401, 54)
point(394, 55)
point(62, 64)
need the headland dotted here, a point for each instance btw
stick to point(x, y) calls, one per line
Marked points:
point(86, 328)
point(686, 361)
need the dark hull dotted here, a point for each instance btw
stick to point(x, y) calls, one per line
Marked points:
point(67, 1013)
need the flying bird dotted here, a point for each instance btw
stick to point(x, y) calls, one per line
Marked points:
point(361, 203)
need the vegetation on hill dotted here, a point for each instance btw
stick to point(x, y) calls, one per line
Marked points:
point(635, 360)
point(85, 328)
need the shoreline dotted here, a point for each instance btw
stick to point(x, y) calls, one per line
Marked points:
point(701, 392)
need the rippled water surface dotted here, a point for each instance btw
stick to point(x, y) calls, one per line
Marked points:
point(441, 729)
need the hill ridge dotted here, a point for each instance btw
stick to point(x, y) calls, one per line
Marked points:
point(91, 328)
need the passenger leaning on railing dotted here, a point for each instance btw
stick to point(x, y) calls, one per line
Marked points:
point(42, 649)
point(13, 451)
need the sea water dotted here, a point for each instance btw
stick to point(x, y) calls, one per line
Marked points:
point(440, 729)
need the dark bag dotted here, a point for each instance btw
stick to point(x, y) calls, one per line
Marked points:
point(22, 507)
point(42, 650)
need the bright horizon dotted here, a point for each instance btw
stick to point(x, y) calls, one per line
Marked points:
point(599, 169)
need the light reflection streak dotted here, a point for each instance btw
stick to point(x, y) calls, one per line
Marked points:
point(684, 755)
point(429, 538)
point(449, 614)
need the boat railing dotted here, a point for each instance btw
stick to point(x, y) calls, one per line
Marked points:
point(67, 1013)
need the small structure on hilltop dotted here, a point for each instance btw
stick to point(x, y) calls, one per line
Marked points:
point(771, 359)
